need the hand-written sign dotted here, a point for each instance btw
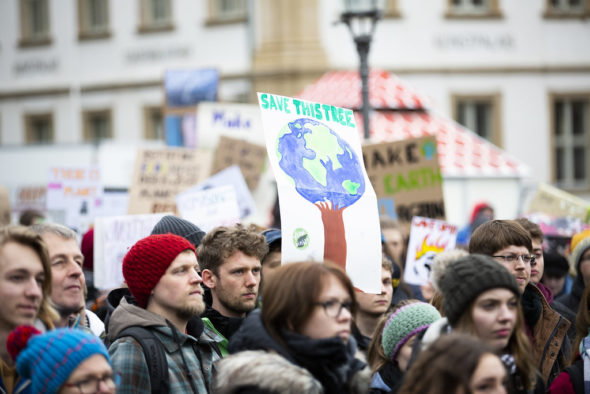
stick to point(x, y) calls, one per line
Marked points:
point(249, 157)
point(77, 191)
point(328, 207)
point(209, 208)
point(428, 237)
point(161, 174)
point(406, 178)
point(113, 237)
point(325, 112)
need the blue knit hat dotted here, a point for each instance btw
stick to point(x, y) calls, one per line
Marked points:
point(49, 359)
point(404, 323)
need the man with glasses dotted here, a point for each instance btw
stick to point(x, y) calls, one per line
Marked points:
point(510, 245)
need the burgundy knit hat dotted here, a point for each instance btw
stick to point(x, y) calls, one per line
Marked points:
point(148, 260)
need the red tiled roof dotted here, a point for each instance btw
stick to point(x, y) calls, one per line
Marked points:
point(461, 152)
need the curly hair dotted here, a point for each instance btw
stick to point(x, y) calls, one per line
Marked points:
point(222, 242)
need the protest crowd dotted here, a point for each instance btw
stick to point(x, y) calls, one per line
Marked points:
point(216, 312)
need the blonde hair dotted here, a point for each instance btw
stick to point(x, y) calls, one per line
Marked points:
point(25, 237)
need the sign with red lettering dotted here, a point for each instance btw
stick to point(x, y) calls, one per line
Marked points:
point(428, 237)
point(77, 191)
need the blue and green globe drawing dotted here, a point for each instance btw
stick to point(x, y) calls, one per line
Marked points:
point(322, 165)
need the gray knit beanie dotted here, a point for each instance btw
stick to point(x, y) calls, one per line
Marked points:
point(177, 226)
point(468, 277)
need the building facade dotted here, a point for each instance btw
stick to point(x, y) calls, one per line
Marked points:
point(77, 73)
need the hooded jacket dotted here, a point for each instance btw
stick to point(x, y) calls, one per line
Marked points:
point(330, 361)
point(190, 356)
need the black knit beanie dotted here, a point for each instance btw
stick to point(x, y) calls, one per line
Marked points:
point(181, 227)
point(465, 279)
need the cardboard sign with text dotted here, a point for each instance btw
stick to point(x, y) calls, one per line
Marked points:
point(113, 237)
point(407, 178)
point(428, 237)
point(160, 175)
point(328, 206)
point(249, 157)
point(558, 203)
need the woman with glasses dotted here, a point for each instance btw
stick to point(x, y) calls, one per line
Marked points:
point(306, 318)
point(62, 361)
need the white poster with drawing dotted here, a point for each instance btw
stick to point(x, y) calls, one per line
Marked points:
point(428, 237)
point(328, 205)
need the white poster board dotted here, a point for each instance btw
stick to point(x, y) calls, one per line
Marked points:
point(209, 208)
point(328, 205)
point(241, 121)
point(77, 192)
point(428, 237)
point(231, 176)
point(113, 237)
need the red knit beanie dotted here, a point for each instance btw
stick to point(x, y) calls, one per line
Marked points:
point(147, 261)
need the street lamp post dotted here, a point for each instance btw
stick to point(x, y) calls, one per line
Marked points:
point(361, 17)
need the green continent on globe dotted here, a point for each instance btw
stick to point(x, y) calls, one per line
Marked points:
point(322, 165)
point(325, 144)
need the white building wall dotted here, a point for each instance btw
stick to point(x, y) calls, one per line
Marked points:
point(522, 56)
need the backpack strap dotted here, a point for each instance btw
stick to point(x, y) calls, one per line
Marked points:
point(154, 354)
point(576, 373)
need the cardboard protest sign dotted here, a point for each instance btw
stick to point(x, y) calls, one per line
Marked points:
point(249, 157)
point(240, 121)
point(231, 176)
point(160, 175)
point(407, 178)
point(209, 208)
point(29, 197)
point(4, 206)
point(328, 206)
point(113, 237)
point(558, 203)
point(428, 237)
point(77, 191)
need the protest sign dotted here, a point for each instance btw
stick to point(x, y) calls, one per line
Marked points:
point(113, 237)
point(240, 121)
point(428, 237)
point(328, 206)
point(558, 203)
point(249, 157)
point(231, 176)
point(209, 208)
point(160, 175)
point(407, 178)
point(29, 197)
point(77, 191)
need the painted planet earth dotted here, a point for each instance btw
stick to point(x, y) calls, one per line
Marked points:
point(322, 165)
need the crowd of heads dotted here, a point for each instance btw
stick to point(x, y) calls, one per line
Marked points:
point(486, 321)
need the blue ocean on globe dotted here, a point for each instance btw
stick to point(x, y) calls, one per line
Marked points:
point(322, 165)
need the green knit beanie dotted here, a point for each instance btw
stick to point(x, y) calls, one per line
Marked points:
point(404, 323)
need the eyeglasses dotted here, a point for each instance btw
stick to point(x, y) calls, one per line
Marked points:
point(92, 384)
point(334, 308)
point(511, 258)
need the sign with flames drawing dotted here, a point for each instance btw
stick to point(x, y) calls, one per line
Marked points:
point(428, 237)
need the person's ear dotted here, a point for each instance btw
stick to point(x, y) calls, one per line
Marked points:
point(209, 278)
